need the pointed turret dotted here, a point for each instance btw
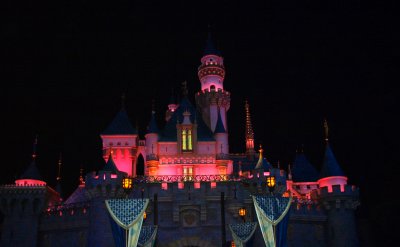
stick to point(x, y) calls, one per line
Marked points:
point(121, 137)
point(331, 173)
point(303, 170)
point(121, 125)
point(31, 175)
point(58, 183)
point(110, 166)
point(210, 47)
point(152, 127)
point(250, 152)
point(262, 162)
point(330, 167)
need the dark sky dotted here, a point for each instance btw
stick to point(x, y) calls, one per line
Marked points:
point(68, 62)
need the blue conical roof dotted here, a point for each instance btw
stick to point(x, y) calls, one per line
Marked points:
point(330, 167)
point(203, 132)
point(152, 128)
point(121, 125)
point(110, 166)
point(303, 170)
point(219, 127)
point(263, 163)
point(210, 48)
point(31, 172)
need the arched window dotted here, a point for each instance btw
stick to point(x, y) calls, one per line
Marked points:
point(190, 146)
point(187, 140)
point(184, 146)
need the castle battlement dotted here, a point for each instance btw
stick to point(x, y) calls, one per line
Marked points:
point(349, 190)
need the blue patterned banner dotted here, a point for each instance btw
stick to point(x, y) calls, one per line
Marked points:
point(147, 236)
point(270, 211)
point(128, 214)
point(242, 232)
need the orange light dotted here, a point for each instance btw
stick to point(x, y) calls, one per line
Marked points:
point(127, 183)
point(233, 244)
point(242, 212)
point(144, 215)
point(271, 181)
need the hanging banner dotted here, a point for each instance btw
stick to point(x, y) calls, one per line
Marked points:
point(242, 232)
point(147, 236)
point(270, 211)
point(128, 214)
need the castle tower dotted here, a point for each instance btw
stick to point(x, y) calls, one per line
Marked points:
point(152, 146)
point(106, 184)
point(249, 134)
point(339, 200)
point(212, 95)
point(120, 139)
point(222, 146)
point(22, 204)
point(331, 173)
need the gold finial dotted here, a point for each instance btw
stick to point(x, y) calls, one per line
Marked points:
point(34, 155)
point(59, 167)
point(326, 128)
point(81, 180)
point(184, 89)
point(123, 100)
point(261, 150)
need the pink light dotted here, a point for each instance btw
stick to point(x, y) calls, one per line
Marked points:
point(330, 181)
point(164, 186)
point(29, 182)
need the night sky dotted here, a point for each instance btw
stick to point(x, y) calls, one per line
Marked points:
point(67, 63)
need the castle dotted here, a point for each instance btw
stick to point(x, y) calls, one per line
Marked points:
point(195, 185)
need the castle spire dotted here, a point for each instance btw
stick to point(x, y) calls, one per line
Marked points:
point(81, 180)
point(249, 133)
point(59, 167)
point(31, 175)
point(123, 100)
point(184, 89)
point(260, 158)
point(34, 148)
point(326, 130)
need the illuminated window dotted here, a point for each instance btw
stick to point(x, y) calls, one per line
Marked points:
point(187, 140)
point(188, 173)
point(190, 139)
point(184, 146)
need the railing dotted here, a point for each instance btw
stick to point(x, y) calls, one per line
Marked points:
point(70, 208)
point(183, 178)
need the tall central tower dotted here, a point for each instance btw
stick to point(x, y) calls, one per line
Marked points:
point(212, 97)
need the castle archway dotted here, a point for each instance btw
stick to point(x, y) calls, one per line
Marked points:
point(140, 165)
